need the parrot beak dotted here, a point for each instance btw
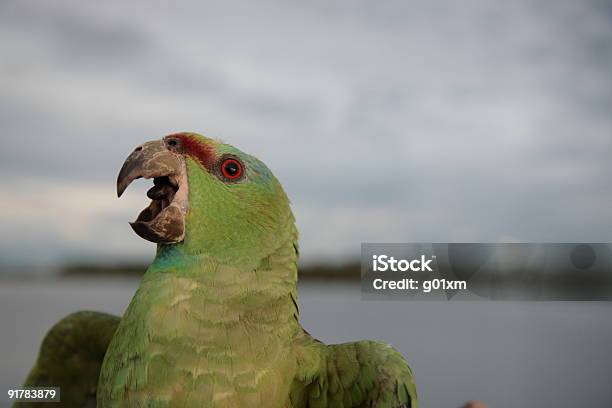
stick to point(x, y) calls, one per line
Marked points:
point(163, 221)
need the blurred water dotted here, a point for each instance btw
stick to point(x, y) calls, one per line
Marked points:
point(506, 354)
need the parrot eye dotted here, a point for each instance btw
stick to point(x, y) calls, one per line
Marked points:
point(231, 169)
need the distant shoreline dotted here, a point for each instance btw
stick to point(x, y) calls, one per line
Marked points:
point(343, 272)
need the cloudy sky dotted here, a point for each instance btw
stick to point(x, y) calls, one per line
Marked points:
point(386, 121)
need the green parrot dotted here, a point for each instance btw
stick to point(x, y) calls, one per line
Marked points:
point(215, 320)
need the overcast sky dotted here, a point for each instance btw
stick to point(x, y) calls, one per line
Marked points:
point(475, 120)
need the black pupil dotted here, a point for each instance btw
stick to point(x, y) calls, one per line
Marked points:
point(231, 168)
point(172, 142)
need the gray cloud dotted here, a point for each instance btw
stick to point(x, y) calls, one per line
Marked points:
point(471, 121)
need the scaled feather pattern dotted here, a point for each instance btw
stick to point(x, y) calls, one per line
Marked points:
point(215, 320)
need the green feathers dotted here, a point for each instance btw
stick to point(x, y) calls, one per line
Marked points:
point(214, 322)
point(71, 355)
point(360, 374)
point(238, 223)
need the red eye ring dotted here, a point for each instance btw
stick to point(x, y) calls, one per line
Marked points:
point(231, 169)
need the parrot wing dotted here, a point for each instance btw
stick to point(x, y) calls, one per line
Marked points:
point(353, 375)
point(70, 357)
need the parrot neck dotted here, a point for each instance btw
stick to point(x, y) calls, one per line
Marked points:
point(271, 280)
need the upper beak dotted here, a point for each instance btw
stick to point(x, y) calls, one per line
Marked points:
point(151, 159)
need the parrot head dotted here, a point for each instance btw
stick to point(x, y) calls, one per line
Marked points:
point(208, 198)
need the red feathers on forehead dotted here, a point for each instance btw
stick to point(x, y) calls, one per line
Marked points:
point(196, 148)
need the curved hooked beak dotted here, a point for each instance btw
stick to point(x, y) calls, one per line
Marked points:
point(163, 221)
